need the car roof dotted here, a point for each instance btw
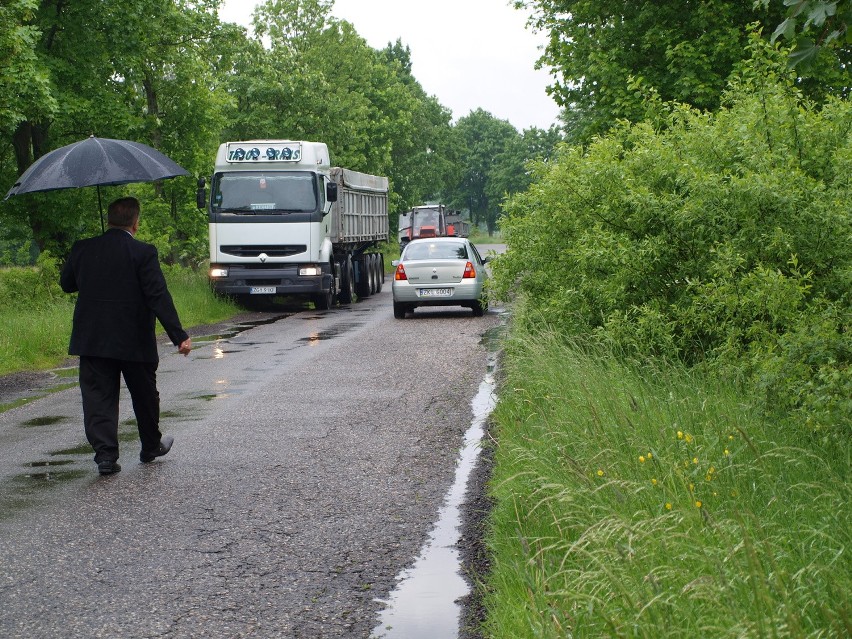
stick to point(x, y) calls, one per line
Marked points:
point(430, 240)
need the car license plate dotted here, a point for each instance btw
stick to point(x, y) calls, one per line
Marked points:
point(436, 292)
point(262, 290)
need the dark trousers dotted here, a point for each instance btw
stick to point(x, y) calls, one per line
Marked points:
point(100, 378)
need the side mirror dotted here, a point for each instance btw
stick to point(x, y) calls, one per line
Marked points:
point(331, 191)
point(201, 194)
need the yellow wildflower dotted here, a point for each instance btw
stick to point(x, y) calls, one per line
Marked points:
point(680, 434)
point(600, 473)
point(688, 438)
point(654, 482)
point(727, 452)
point(649, 455)
point(698, 504)
point(668, 506)
point(695, 460)
point(641, 459)
point(691, 487)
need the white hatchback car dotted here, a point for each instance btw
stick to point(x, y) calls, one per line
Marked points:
point(439, 271)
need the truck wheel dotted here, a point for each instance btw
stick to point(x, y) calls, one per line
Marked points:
point(347, 281)
point(323, 301)
point(399, 310)
point(380, 275)
point(362, 282)
point(371, 269)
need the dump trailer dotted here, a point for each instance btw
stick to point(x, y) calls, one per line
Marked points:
point(431, 220)
point(283, 221)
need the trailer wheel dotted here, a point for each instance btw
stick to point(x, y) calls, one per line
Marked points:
point(371, 269)
point(380, 274)
point(362, 281)
point(347, 280)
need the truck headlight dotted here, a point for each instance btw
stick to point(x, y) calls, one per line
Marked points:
point(218, 271)
point(310, 269)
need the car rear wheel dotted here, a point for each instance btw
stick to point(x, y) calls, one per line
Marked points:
point(478, 308)
point(399, 310)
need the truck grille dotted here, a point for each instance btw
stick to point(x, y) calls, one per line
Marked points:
point(277, 250)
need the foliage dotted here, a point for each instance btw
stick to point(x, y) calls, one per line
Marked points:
point(636, 499)
point(494, 156)
point(723, 236)
point(608, 55)
point(814, 24)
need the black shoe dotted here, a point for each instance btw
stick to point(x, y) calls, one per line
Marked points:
point(164, 447)
point(108, 467)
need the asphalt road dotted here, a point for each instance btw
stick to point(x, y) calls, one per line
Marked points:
point(312, 454)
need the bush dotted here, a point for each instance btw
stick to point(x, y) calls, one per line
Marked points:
point(32, 288)
point(723, 237)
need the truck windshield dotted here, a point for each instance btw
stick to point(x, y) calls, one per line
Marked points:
point(264, 193)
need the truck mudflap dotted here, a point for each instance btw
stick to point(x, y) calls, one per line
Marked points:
point(270, 281)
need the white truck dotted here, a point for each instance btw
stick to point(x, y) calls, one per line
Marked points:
point(283, 221)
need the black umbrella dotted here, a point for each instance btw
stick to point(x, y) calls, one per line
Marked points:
point(96, 162)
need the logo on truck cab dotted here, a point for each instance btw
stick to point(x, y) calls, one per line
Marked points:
point(266, 153)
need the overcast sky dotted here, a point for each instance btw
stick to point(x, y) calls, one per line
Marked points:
point(469, 54)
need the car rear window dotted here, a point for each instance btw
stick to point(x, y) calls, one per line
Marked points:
point(436, 251)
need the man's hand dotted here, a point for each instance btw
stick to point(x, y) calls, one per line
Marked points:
point(185, 347)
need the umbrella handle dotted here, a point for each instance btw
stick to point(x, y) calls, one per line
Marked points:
point(101, 209)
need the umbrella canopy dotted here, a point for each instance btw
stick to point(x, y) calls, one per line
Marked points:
point(96, 162)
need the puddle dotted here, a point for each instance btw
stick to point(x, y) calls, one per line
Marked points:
point(45, 464)
point(424, 603)
point(337, 331)
point(82, 449)
point(47, 420)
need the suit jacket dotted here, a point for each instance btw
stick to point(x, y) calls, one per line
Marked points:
point(121, 291)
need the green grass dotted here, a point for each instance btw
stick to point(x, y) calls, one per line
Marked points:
point(640, 502)
point(38, 339)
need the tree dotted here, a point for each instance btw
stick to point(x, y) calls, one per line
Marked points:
point(491, 153)
point(605, 51)
point(812, 25)
point(133, 69)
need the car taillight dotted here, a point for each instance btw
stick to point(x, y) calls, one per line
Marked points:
point(400, 273)
point(469, 271)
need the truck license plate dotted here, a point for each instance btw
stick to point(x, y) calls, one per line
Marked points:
point(262, 290)
point(436, 292)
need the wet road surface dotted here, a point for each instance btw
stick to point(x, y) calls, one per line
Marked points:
point(312, 454)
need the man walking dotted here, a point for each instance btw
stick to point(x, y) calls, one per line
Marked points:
point(121, 291)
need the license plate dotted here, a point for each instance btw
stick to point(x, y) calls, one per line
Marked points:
point(262, 290)
point(436, 292)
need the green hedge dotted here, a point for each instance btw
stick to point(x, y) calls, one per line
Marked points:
point(720, 238)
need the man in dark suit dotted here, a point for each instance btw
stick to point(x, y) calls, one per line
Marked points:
point(121, 290)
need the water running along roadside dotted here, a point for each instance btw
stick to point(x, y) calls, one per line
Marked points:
point(424, 604)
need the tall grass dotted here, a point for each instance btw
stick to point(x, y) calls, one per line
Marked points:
point(653, 502)
point(35, 328)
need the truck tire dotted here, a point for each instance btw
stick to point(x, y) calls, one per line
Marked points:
point(347, 280)
point(362, 280)
point(324, 300)
point(380, 275)
point(371, 269)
